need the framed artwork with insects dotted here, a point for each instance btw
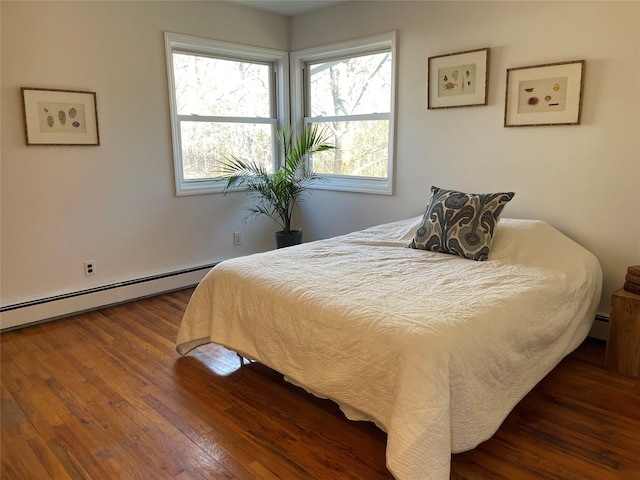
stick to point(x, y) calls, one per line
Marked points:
point(458, 79)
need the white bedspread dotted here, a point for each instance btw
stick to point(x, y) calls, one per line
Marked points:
point(434, 348)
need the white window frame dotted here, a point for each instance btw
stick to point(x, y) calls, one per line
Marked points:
point(299, 59)
point(179, 43)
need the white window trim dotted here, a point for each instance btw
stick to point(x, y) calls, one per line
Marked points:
point(385, 41)
point(175, 42)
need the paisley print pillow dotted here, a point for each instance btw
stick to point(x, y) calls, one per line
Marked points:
point(460, 223)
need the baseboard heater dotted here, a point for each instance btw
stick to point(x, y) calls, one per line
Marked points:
point(58, 306)
point(600, 328)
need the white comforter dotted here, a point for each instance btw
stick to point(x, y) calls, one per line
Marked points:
point(434, 348)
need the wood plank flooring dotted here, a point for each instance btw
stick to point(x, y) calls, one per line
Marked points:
point(103, 395)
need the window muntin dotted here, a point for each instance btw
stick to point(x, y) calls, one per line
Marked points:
point(225, 99)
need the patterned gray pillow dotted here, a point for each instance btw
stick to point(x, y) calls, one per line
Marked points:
point(460, 223)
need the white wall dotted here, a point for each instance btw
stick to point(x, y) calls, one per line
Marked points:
point(115, 203)
point(584, 180)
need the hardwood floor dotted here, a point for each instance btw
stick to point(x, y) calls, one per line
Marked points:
point(103, 395)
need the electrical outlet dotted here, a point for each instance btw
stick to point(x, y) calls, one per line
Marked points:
point(237, 238)
point(89, 268)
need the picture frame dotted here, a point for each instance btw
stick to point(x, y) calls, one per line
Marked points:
point(544, 95)
point(458, 79)
point(60, 117)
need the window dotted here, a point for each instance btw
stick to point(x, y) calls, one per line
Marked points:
point(224, 99)
point(349, 88)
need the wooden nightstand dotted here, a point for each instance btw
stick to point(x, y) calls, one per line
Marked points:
point(623, 345)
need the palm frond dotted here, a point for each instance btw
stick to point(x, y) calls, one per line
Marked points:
point(276, 195)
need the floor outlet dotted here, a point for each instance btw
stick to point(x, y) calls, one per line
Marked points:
point(89, 268)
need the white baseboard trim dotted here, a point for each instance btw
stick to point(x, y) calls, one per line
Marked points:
point(51, 308)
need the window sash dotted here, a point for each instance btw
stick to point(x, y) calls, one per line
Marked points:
point(279, 99)
point(201, 148)
point(301, 60)
point(316, 83)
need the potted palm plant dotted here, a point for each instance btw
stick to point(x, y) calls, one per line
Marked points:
point(278, 194)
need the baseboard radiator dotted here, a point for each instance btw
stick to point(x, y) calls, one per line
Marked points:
point(51, 308)
point(600, 328)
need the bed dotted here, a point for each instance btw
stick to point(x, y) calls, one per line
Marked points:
point(435, 348)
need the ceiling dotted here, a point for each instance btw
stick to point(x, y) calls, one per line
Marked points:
point(288, 7)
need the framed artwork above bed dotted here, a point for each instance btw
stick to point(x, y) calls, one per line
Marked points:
point(540, 95)
point(458, 79)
